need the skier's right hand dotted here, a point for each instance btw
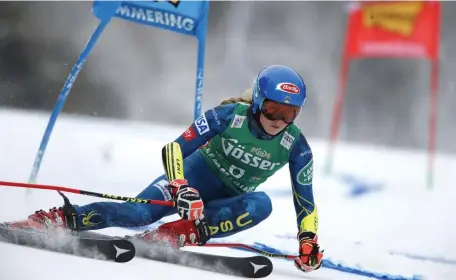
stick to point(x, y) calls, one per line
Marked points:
point(188, 201)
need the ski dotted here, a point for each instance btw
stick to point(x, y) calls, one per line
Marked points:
point(247, 267)
point(102, 247)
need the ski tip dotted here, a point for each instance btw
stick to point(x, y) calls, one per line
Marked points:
point(124, 250)
point(261, 267)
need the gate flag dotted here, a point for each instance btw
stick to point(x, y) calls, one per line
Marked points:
point(395, 29)
point(184, 17)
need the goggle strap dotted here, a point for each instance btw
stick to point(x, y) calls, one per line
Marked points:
point(260, 107)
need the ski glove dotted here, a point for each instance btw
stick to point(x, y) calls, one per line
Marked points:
point(188, 201)
point(310, 256)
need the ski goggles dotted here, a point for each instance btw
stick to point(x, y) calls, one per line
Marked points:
point(275, 111)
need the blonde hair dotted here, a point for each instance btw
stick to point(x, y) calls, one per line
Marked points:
point(246, 98)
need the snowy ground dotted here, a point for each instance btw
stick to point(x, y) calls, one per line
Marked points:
point(376, 214)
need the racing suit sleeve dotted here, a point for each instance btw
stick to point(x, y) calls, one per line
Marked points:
point(301, 172)
point(211, 123)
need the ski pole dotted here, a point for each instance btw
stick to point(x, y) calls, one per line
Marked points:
point(88, 193)
point(248, 247)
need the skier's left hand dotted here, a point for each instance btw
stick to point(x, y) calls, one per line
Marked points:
point(310, 256)
point(188, 200)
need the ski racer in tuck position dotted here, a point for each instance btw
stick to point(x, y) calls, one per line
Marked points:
point(227, 153)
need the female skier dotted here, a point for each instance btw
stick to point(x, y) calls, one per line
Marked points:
point(228, 152)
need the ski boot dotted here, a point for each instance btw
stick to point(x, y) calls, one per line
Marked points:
point(177, 234)
point(56, 218)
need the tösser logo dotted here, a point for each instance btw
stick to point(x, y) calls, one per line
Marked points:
point(288, 88)
point(393, 17)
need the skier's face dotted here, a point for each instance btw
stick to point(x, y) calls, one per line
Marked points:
point(272, 127)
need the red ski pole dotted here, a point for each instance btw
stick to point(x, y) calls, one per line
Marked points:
point(76, 191)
